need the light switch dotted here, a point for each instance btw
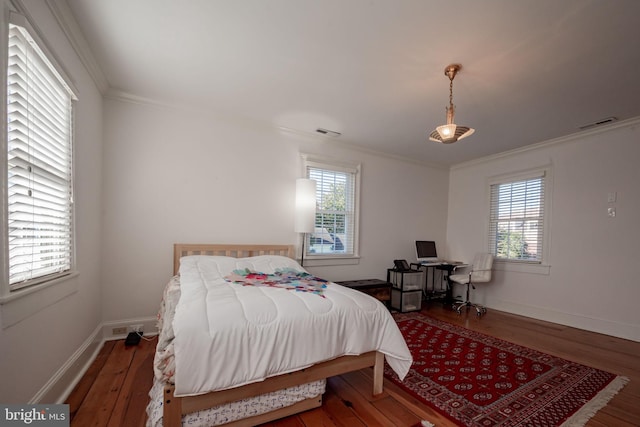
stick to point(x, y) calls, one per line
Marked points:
point(611, 197)
point(611, 212)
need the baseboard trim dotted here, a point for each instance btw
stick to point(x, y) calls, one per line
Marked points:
point(592, 324)
point(63, 381)
point(60, 385)
point(149, 327)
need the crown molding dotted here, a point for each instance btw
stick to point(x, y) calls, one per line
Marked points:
point(120, 95)
point(345, 143)
point(123, 96)
point(544, 144)
point(67, 22)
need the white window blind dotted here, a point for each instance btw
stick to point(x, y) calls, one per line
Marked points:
point(335, 227)
point(39, 184)
point(516, 226)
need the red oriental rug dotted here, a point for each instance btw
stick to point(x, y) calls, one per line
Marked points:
point(478, 380)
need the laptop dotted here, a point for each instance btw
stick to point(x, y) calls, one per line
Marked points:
point(426, 252)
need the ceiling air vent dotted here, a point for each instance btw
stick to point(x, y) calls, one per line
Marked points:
point(327, 132)
point(599, 123)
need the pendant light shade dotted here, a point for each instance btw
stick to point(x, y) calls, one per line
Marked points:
point(450, 132)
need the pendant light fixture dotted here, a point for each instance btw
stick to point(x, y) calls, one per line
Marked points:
point(450, 132)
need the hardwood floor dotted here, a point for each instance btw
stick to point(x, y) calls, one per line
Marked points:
point(114, 390)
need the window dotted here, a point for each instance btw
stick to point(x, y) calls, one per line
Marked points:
point(336, 227)
point(517, 218)
point(39, 204)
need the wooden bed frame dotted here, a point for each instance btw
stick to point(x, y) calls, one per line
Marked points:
point(175, 407)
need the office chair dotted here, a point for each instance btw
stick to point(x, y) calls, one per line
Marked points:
point(480, 273)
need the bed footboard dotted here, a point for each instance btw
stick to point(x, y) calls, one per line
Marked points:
point(175, 407)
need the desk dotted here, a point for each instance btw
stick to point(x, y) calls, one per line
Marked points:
point(445, 291)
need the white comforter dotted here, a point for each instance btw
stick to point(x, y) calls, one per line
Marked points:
point(228, 335)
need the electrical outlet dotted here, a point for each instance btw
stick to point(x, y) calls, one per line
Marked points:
point(136, 328)
point(119, 331)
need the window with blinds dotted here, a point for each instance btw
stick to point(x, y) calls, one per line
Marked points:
point(516, 225)
point(39, 164)
point(336, 215)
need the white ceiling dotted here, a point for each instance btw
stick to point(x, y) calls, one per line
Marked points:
point(533, 70)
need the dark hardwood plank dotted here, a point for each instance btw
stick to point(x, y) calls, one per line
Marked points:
point(105, 395)
point(409, 402)
point(131, 404)
point(287, 422)
point(339, 412)
point(81, 389)
point(316, 417)
point(360, 404)
point(98, 405)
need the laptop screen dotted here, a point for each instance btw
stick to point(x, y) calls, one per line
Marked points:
point(426, 250)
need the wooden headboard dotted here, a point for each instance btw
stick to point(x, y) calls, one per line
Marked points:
point(236, 251)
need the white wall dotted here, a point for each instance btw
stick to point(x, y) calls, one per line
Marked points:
point(175, 176)
point(593, 279)
point(33, 350)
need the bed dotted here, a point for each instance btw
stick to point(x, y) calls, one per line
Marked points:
point(210, 294)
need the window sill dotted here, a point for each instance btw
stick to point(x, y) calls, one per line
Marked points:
point(21, 304)
point(522, 267)
point(330, 260)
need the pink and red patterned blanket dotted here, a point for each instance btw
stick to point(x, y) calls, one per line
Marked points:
point(285, 278)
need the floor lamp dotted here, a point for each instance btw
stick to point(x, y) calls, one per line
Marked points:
point(305, 214)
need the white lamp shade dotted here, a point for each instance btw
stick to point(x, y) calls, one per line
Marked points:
point(305, 214)
point(447, 131)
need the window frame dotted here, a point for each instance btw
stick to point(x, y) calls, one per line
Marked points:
point(64, 285)
point(315, 259)
point(538, 266)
